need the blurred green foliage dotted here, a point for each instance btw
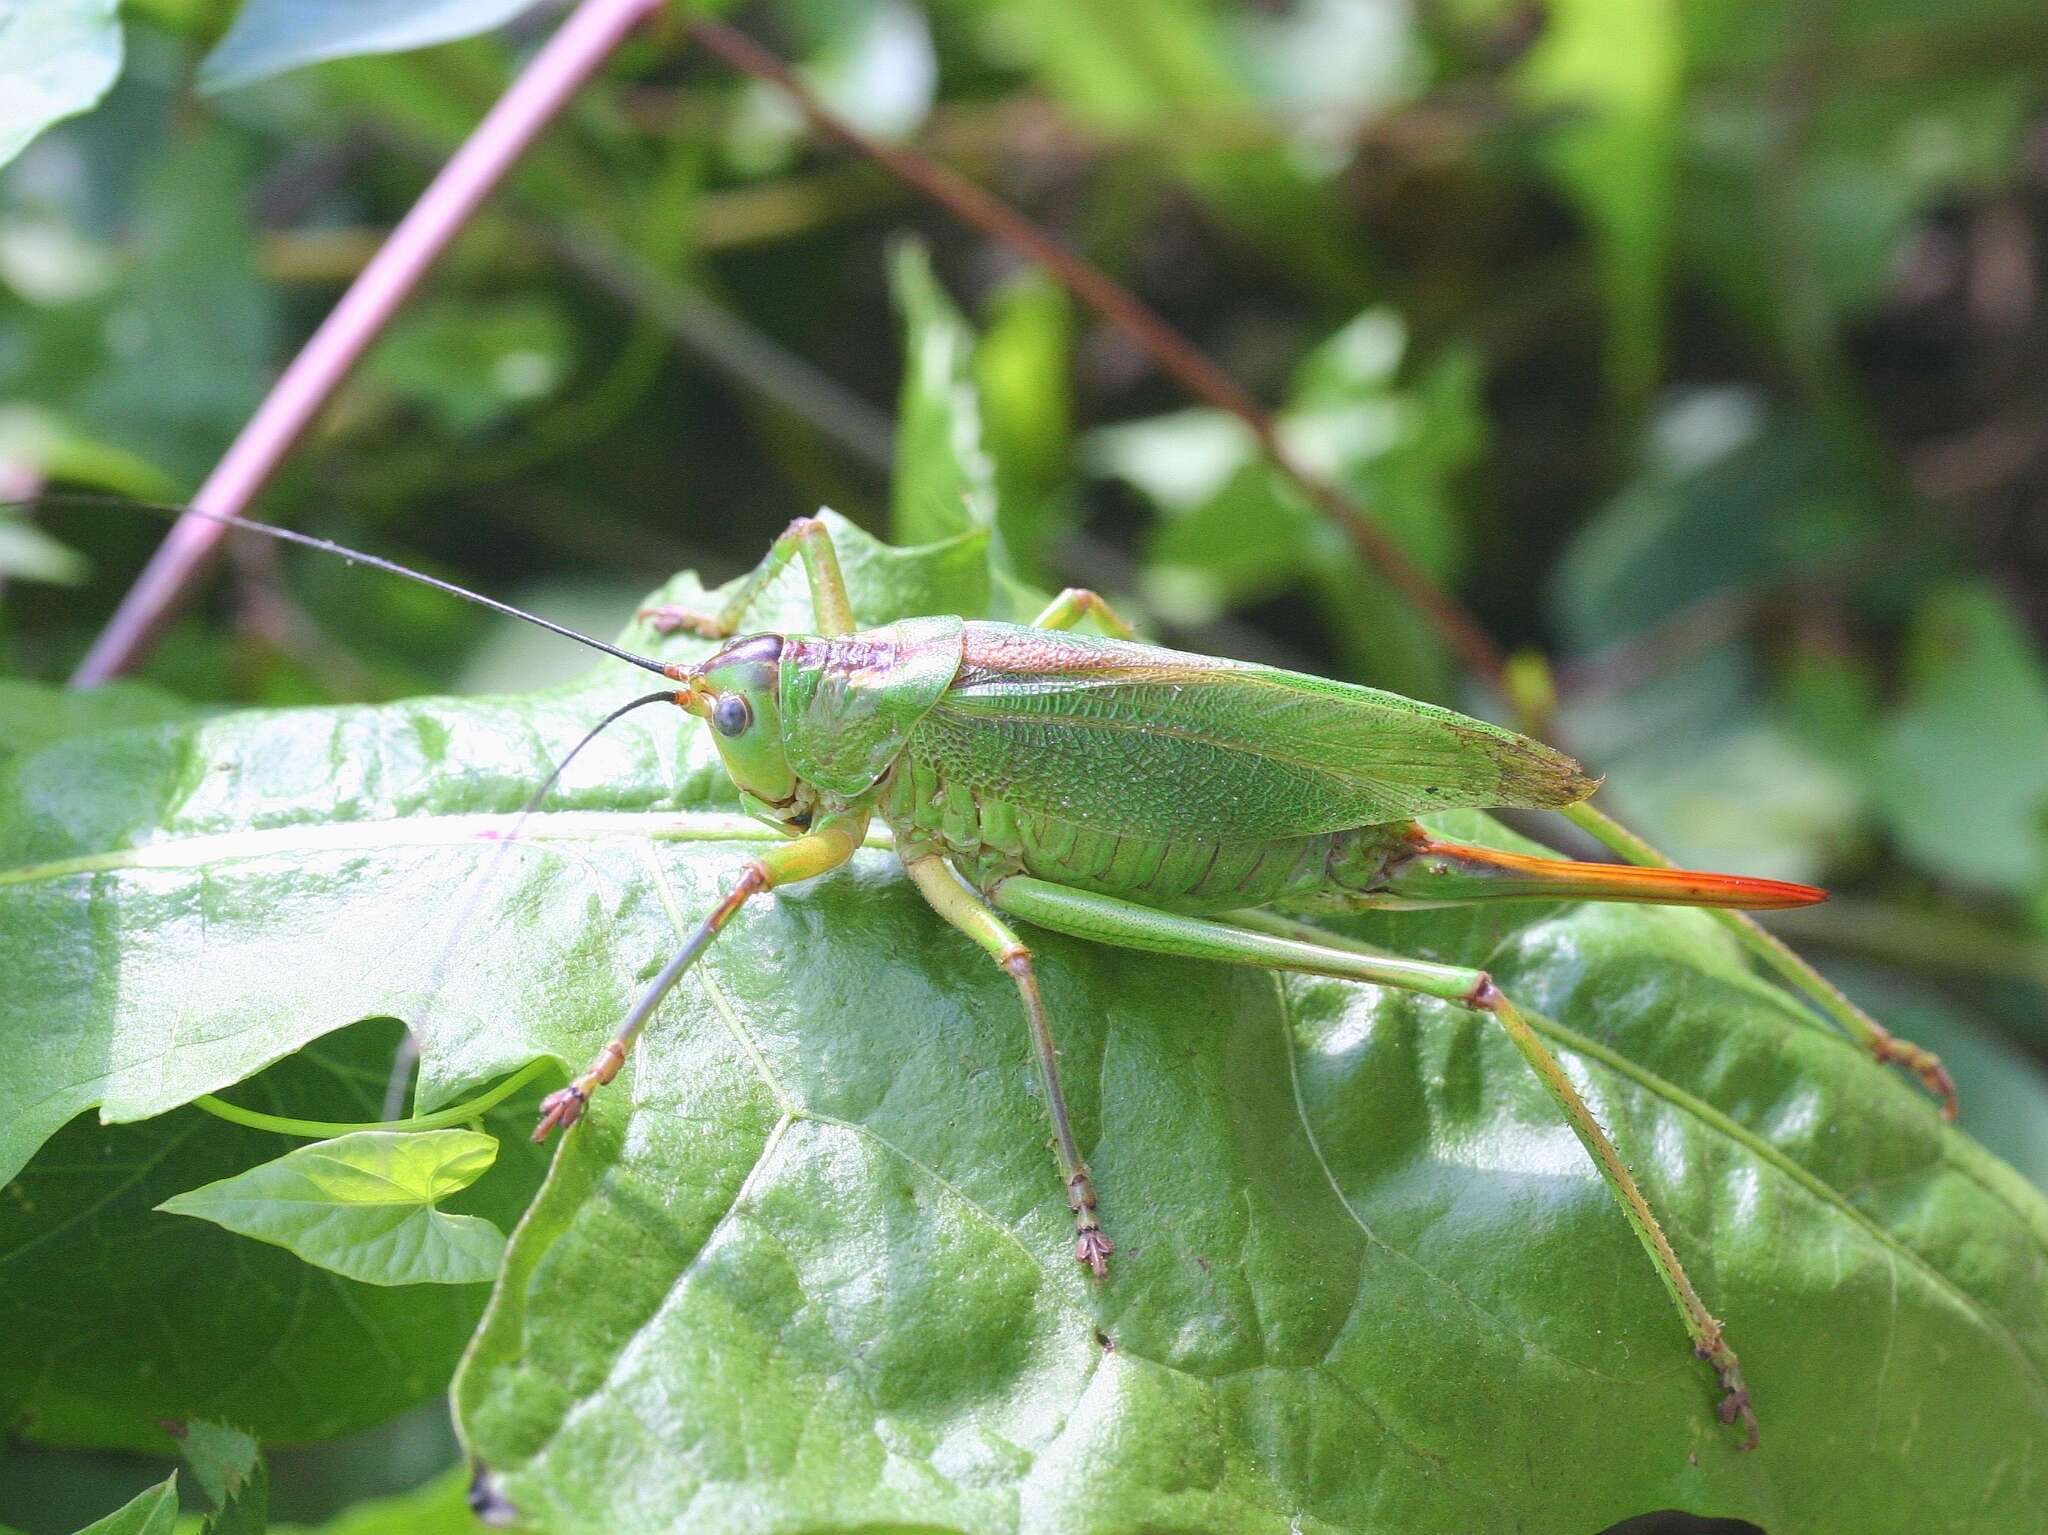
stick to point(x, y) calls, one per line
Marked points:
point(1696, 346)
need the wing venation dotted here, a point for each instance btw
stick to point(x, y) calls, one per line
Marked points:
point(1150, 742)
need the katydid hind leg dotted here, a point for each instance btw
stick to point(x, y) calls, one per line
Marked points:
point(967, 912)
point(835, 840)
point(1437, 872)
point(1125, 924)
point(566, 1106)
point(1885, 1047)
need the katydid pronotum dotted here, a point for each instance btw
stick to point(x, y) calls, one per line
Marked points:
point(1129, 795)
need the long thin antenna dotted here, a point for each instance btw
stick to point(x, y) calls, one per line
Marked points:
point(533, 803)
point(354, 556)
point(409, 1049)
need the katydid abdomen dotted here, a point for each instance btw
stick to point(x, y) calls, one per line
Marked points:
point(986, 837)
point(1396, 865)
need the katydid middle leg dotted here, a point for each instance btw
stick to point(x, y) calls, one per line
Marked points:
point(952, 900)
point(1105, 919)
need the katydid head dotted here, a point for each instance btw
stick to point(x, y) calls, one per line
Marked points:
point(736, 693)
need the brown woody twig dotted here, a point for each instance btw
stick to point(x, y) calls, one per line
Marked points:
point(1179, 357)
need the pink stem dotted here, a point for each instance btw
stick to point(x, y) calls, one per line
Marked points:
point(543, 88)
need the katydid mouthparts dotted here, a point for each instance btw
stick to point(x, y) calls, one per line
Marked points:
point(1127, 794)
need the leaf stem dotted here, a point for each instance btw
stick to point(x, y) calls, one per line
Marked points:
point(320, 1129)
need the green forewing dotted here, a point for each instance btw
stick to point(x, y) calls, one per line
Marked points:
point(1142, 741)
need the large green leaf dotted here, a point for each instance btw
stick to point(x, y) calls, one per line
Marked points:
point(806, 1263)
point(1366, 1280)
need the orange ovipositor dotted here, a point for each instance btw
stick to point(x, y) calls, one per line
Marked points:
point(1455, 871)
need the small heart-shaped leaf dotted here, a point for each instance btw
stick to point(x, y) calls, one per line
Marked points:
point(365, 1205)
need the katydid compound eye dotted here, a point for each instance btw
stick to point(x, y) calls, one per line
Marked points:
point(730, 715)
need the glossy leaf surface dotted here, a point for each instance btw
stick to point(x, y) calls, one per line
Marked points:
point(1365, 1279)
point(805, 1266)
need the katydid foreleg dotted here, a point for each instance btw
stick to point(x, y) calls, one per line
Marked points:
point(1105, 919)
point(820, 851)
point(1075, 604)
point(952, 900)
point(807, 539)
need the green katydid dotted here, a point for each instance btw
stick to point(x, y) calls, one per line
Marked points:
point(1130, 795)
